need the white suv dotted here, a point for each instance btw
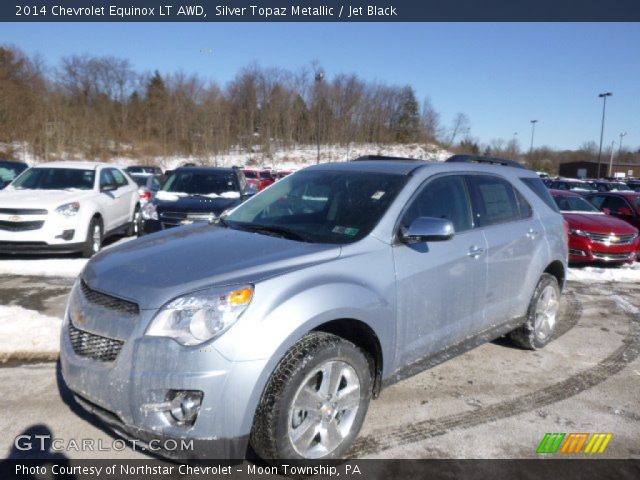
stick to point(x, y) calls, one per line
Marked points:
point(67, 207)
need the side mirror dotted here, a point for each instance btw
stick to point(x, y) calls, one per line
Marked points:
point(109, 187)
point(249, 191)
point(606, 211)
point(427, 229)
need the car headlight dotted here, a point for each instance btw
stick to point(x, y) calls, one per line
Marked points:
point(149, 212)
point(68, 209)
point(579, 233)
point(199, 316)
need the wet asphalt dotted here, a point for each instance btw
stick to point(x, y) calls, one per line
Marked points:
point(496, 401)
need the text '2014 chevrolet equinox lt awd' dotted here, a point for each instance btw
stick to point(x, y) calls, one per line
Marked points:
point(276, 325)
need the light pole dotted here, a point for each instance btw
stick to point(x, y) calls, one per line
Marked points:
point(613, 143)
point(604, 108)
point(319, 77)
point(622, 134)
point(533, 131)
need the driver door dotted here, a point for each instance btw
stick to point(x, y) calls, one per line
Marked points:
point(441, 284)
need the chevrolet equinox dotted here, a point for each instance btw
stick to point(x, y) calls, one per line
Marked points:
point(276, 324)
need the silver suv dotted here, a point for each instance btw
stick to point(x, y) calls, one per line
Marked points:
point(275, 326)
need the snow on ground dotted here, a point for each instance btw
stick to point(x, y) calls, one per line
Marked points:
point(28, 335)
point(284, 159)
point(626, 273)
point(39, 266)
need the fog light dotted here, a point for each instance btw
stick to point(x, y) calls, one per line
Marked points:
point(66, 234)
point(184, 405)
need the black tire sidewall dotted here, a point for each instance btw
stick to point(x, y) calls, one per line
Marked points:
point(88, 246)
point(342, 351)
point(545, 281)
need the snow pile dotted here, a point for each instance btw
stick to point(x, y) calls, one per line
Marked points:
point(625, 273)
point(48, 267)
point(280, 159)
point(28, 335)
point(43, 267)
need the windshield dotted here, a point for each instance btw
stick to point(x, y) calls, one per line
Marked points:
point(43, 178)
point(201, 183)
point(250, 174)
point(581, 186)
point(141, 170)
point(574, 204)
point(8, 172)
point(618, 187)
point(320, 206)
point(140, 181)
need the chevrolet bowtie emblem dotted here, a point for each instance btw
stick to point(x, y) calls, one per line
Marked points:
point(15, 218)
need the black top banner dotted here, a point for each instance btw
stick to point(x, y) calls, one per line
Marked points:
point(320, 11)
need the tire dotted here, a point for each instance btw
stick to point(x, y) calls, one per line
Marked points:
point(133, 230)
point(324, 431)
point(92, 245)
point(541, 315)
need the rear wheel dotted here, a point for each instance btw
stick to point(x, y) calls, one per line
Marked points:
point(315, 402)
point(93, 242)
point(541, 315)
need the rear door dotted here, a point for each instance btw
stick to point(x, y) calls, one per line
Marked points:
point(126, 196)
point(513, 233)
point(440, 285)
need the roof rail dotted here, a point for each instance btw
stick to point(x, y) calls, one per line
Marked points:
point(488, 160)
point(383, 157)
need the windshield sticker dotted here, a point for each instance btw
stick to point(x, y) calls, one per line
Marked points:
point(338, 229)
point(378, 195)
point(351, 231)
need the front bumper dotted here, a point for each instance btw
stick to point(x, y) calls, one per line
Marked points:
point(41, 233)
point(585, 250)
point(144, 371)
point(184, 448)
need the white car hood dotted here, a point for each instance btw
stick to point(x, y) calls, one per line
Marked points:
point(49, 199)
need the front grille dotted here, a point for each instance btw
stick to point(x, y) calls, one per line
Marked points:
point(94, 346)
point(23, 211)
point(20, 226)
point(613, 256)
point(109, 302)
point(612, 239)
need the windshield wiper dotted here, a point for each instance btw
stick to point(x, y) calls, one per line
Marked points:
point(275, 230)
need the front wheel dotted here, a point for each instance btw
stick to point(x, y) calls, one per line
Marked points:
point(93, 242)
point(315, 401)
point(541, 315)
point(133, 230)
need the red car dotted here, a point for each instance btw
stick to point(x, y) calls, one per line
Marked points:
point(593, 235)
point(624, 205)
point(261, 179)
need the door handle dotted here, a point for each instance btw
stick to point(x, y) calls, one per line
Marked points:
point(532, 234)
point(475, 252)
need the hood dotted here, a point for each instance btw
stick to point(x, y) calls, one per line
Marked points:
point(48, 199)
point(598, 223)
point(156, 268)
point(187, 204)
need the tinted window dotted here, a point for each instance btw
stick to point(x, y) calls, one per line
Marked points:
point(615, 203)
point(525, 209)
point(444, 197)
point(44, 178)
point(119, 177)
point(494, 200)
point(106, 178)
point(539, 188)
point(597, 201)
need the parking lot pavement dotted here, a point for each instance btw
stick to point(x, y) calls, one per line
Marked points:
point(496, 401)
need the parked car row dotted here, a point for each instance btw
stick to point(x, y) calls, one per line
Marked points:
point(603, 219)
point(70, 207)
